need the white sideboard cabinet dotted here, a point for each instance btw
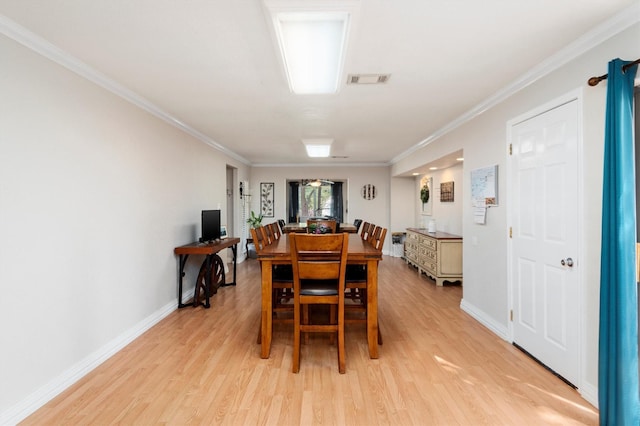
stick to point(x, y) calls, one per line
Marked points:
point(437, 254)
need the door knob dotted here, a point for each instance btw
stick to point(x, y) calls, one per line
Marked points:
point(568, 262)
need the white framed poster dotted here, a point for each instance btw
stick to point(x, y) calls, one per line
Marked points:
point(484, 186)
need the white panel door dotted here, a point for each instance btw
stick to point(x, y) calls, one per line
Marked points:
point(544, 236)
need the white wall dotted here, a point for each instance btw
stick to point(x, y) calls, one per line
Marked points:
point(447, 215)
point(94, 196)
point(404, 199)
point(484, 142)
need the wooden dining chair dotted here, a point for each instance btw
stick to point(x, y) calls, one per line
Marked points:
point(365, 229)
point(268, 233)
point(274, 229)
point(357, 274)
point(319, 265)
point(357, 223)
point(356, 285)
point(377, 238)
point(321, 226)
point(259, 238)
point(282, 274)
point(282, 285)
point(370, 231)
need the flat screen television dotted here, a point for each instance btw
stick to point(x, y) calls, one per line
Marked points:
point(210, 225)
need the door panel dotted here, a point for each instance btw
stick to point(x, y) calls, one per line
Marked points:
point(545, 292)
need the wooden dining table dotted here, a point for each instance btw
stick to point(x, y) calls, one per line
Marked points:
point(360, 253)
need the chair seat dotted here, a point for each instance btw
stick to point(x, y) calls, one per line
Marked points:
point(318, 287)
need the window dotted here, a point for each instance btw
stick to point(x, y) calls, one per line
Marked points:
point(305, 201)
point(315, 200)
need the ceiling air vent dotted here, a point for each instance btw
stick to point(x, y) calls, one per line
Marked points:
point(368, 78)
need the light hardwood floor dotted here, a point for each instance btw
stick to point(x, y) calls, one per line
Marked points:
point(437, 366)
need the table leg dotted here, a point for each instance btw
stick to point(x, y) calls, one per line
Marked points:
point(234, 250)
point(207, 284)
point(182, 261)
point(266, 308)
point(372, 307)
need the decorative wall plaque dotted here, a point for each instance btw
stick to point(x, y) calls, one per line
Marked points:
point(266, 199)
point(446, 192)
point(368, 192)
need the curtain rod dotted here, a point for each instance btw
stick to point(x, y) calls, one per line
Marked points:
point(593, 81)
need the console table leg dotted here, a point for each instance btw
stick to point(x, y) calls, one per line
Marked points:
point(234, 250)
point(182, 262)
point(207, 282)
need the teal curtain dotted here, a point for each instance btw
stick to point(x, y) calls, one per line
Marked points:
point(618, 392)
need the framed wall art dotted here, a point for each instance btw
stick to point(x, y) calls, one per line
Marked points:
point(266, 199)
point(446, 192)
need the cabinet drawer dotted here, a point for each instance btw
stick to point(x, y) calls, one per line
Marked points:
point(431, 255)
point(429, 243)
point(430, 267)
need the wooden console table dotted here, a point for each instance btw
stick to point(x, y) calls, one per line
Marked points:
point(209, 250)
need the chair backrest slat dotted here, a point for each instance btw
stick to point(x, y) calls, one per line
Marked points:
point(378, 236)
point(259, 238)
point(365, 229)
point(274, 231)
point(321, 226)
point(319, 257)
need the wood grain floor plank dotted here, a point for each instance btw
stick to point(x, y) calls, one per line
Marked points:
point(437, 366)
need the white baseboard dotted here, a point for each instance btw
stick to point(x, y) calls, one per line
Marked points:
point(484, 319)
point(590, 393)
point(46, 393)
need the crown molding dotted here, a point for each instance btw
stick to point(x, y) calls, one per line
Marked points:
point(618, 23)
point(312, 165)
point(41, 46)
point(627, 17)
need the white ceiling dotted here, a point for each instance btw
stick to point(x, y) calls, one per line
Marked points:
point(212, 65)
